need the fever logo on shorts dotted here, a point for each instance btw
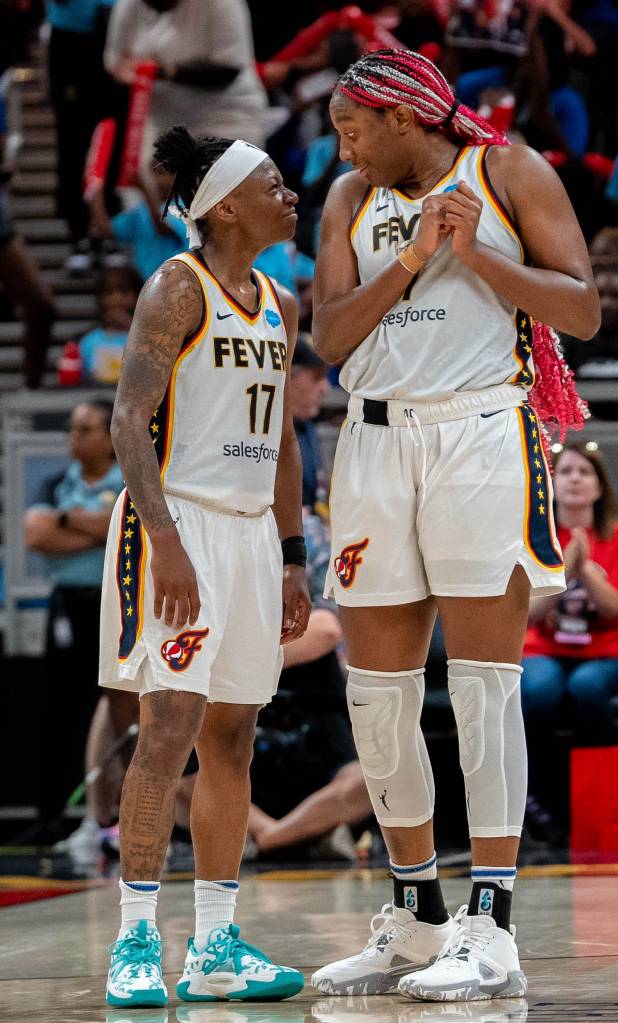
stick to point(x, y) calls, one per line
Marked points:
point(179, 652)
point(348, 561)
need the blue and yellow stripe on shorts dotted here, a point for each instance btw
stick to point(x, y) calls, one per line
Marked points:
point(130, 568)
point(539, 531)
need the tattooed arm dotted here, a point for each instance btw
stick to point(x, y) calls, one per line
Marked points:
point(169, 308)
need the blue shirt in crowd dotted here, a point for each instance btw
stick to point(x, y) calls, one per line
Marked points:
point(101, 351)
point(309, 443)
point(149, 248)
point(70, 490)
point(75, 15)
point(285, 264)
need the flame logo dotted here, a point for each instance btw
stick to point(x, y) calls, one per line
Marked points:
point(348, 561)
point(179, 652)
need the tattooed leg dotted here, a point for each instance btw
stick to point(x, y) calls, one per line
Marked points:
point(169, 724)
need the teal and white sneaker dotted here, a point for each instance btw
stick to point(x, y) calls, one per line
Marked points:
point(229, 969)
point(135, 976)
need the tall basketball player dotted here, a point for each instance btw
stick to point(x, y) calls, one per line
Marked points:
point(442, 255)
point(205, 558)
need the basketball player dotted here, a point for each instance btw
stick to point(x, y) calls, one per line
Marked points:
point(203, 580)
point(438, 252)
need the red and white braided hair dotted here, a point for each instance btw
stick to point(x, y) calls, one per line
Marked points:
point(391, 78)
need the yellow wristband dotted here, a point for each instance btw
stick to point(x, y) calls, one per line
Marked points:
point(409, 260)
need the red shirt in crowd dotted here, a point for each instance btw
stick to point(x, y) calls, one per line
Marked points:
point(574, 628)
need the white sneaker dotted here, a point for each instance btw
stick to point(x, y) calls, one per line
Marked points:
point(398, 943)
point(83, 845)
point(481, 963)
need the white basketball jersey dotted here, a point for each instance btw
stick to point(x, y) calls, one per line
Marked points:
point(218, 429)
point(450, 331)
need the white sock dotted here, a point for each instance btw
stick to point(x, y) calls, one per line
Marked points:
point(215, 902)
point(426, 871)
point(502, 876)
point(138, 901)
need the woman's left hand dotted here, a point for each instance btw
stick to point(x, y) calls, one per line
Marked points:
point(463, 212)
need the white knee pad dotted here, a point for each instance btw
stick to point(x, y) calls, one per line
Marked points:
point(385, 711)
point(492, 745)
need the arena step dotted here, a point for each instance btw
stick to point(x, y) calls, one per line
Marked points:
point(26, 206)
point(48, 229)
point(62, 331)
point(42, 117)
point(43, 159)
point(51, 255)
point(34, 182)
point(39, 138)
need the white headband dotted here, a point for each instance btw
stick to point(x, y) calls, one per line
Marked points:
point(226, 173)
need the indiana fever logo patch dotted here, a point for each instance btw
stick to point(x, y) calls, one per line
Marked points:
point(348, 561)
point(179, 652)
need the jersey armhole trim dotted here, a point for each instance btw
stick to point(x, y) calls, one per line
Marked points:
point(361, 210)
point(496, 202)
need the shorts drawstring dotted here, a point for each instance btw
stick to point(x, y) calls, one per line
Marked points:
point(421, 484)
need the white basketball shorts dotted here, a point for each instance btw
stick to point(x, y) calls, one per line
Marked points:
point(445, 508)
point(232, 653)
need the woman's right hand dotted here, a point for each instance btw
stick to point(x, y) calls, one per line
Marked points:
point(176, 595)
point(432, 228)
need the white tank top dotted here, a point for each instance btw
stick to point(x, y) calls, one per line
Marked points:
point(449, 332)
point(218, 429)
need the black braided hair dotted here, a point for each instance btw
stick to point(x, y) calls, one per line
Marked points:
point(189, 158)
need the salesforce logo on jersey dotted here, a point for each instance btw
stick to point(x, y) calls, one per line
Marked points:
point(412, 315)
point(259, 452)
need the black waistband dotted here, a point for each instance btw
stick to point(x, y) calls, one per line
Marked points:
point(375, 412)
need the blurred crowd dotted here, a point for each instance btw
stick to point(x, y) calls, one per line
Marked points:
point(119, 73)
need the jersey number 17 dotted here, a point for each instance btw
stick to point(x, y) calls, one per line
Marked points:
point(253, 392)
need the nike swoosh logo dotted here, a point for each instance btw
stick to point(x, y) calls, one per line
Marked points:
point(224, 316)
point(380, 208)
point(355, 704)
point(488, 415)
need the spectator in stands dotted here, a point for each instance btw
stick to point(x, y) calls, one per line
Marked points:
point(81, 93)
point(600, 19)
point(98, 832)
point(19, 274)
point(304, 738)
point(322, 166)
point(150, 240)
point(68, 525)
point(598, 358)
point(218, 94)
point(308, 386)
point(102, 347)
point(558, 117)
point(571, 648)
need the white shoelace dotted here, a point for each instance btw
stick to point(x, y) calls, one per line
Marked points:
point(474, 942)
point(377, 930)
